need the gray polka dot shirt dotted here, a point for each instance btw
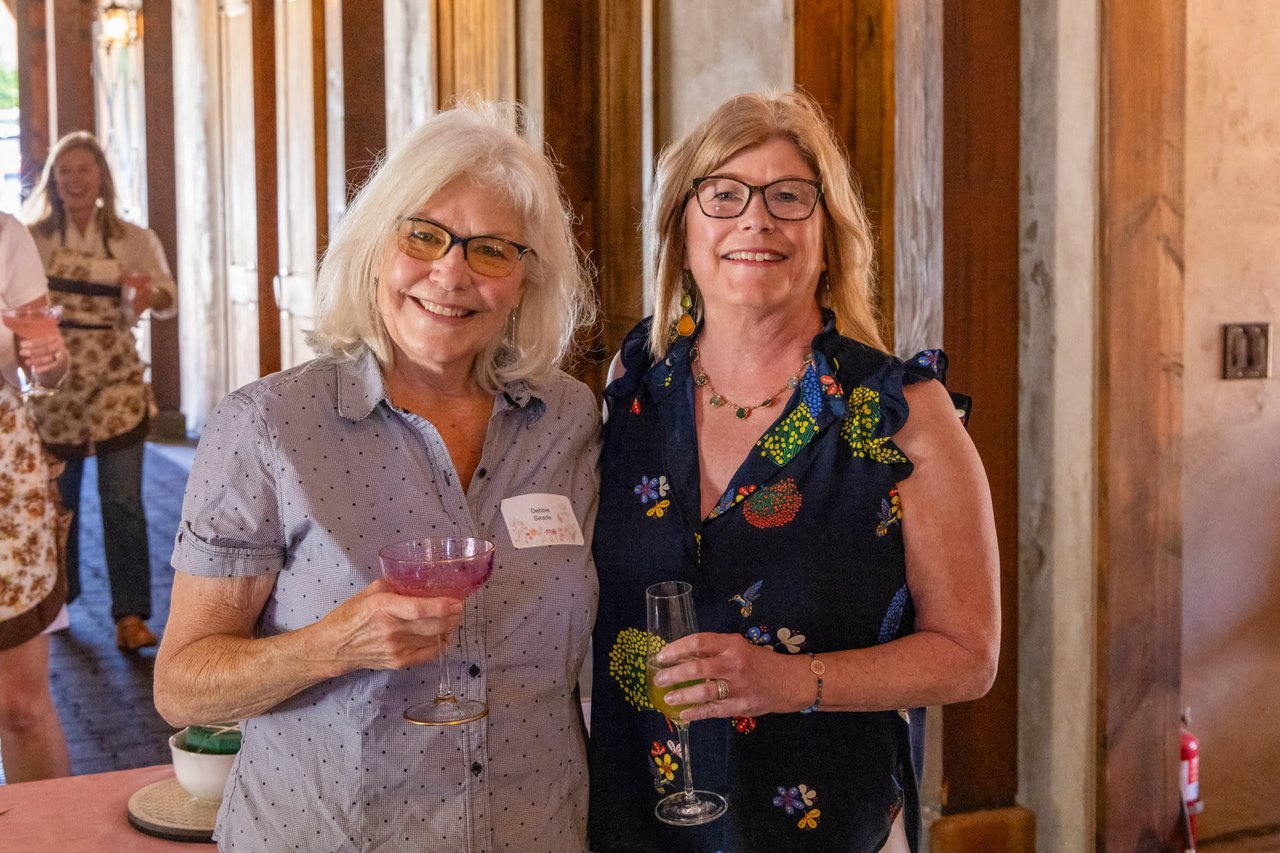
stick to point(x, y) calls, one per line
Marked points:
point(306, 474)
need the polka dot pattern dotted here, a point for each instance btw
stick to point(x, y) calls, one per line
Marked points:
point(306, 474)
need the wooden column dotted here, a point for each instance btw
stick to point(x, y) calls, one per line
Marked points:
point(981, 45)
point(266, 184)
point(320, 116)
point(71, 45)
point(34, 123)
point(476, 40)
point(364, 90)
point(1140, 423)
point(162, 206)
point(844, 58)
point(595, 125)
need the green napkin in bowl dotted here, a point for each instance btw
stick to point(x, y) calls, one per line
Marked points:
point(217, 738)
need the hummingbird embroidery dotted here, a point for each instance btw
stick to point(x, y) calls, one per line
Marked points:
point(745, 601)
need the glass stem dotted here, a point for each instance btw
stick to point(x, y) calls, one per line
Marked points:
point(444, 692)
point(688, 764)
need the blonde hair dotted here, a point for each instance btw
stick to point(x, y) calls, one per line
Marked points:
point(45, 211)
point(476, 140)
point(742, 122)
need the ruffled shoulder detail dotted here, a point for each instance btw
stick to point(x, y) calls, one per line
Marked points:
point(636, 360)
point(873, 383)
point(924, 366)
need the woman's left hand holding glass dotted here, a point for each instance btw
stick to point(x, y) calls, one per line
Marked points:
point(736, 677)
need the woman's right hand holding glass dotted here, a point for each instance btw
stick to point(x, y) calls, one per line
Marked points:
point(378, 628)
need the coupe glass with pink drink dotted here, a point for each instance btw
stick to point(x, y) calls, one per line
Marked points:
point(29, 321)
point(434, 568)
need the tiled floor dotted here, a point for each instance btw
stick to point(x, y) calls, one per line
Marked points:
point(104, 696)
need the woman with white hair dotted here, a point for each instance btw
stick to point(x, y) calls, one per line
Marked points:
point(449, 294)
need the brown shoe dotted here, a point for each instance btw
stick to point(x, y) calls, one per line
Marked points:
point(133, 634)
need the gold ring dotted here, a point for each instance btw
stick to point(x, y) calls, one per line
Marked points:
point(722, 689)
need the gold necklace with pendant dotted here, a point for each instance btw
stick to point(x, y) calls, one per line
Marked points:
point(718, 400)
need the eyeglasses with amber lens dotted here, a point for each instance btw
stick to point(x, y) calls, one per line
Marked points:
point(727, 198)
point(430, 241)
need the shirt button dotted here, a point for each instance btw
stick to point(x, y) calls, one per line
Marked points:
point(476, 767)
point(474, 670)
point(482, 473)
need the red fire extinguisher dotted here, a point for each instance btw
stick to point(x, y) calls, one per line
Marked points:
point(1189, 777)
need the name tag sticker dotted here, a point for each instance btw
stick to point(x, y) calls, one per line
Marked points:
point(536, 520)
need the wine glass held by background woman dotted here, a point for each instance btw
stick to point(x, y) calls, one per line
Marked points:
point(821, 496)
point(449, 293)
point(103, 408)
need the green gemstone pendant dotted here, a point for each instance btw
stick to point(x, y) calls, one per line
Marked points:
point(717, 400)
point(742, 412)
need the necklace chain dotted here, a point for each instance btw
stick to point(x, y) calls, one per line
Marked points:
point(718, 400)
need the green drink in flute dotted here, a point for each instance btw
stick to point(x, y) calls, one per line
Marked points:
point(669, 615)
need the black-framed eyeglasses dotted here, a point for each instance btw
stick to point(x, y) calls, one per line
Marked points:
point(727, 198)
point(430, 241)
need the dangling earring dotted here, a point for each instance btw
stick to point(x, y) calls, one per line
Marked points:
point(513, 321)
point(824, 287)
point(684, 326)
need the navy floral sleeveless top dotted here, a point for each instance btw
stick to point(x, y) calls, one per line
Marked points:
point(802, 554)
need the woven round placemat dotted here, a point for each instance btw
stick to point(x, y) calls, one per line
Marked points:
point(165, 810)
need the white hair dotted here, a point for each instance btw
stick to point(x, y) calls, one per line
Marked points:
point(478, 141)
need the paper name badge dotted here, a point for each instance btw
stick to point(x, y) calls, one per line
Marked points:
point(536, 520)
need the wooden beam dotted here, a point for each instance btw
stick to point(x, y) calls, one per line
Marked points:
point(364, 90)
point(34, 124)
point(620, 172)
point(162, 204)
point(981, 51)
point(844, 58)
point(1140, 423)
point(477, 48)
point(71, 37)
point(320, 130)
point(265, 159)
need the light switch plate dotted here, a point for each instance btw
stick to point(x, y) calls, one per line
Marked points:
point(1246, 351)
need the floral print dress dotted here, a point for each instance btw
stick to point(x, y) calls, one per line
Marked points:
point(803, 553)
point(31, 588)
point(104, 403)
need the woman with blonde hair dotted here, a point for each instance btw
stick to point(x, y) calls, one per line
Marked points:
point(104, 272)
point(450, 293)
point(819, 495)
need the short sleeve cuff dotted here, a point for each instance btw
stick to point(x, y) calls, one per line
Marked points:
point(197, 556)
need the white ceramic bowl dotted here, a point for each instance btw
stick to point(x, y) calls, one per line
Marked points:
point(203, 775)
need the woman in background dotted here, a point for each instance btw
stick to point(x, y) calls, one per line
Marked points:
point(32, 590)
point(104, 272)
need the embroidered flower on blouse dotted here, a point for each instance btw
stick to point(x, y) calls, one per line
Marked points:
point(788, 799)
point(652, 488)
point(759, 634)
point(810, 819)
point(666, 767)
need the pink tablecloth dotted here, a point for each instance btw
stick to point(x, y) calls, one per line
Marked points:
point(81, 814)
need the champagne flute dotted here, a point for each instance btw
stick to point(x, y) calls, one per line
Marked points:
point(670, 615)
point(29, 321)
point(450, 567)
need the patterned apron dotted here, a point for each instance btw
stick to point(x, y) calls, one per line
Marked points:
point(104, 403)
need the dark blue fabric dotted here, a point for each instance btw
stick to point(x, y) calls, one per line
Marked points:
point(124, 528)
point(803, 554)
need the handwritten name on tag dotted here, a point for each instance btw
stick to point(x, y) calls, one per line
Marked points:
point(536, 520)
